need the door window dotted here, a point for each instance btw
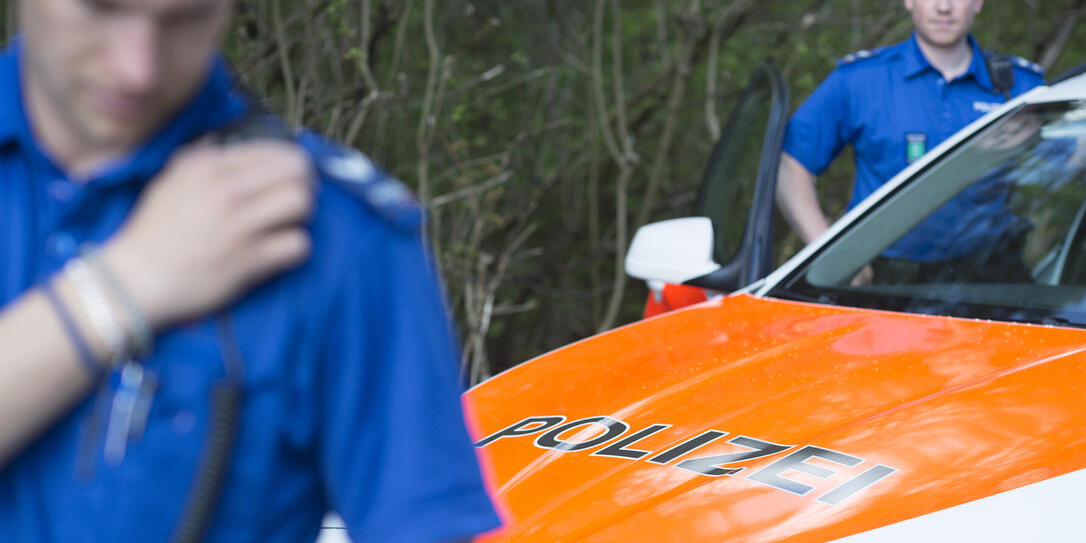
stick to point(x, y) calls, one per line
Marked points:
point(996, 229)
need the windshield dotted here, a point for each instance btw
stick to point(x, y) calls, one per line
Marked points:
point(996, 229)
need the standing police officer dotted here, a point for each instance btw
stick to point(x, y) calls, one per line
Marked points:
point(892, 105)
point(261, 319)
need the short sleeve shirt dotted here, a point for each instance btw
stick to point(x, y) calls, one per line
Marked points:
point(892, 106)
point(350, 393)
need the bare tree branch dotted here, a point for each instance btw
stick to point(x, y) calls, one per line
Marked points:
point(473, 190)
point(284, 62)
point(480, 368)
point(625, 158)
point(667, 136)
point(426, 119)
point(1059, 36)
point(609, 139)
point(364, 68)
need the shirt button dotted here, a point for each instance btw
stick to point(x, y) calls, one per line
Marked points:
point(61, 190)
point(60, 245)
point(183, 422)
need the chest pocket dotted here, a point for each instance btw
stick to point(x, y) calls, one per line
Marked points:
point(912, 120)
point(188, 446)
point(881, 145)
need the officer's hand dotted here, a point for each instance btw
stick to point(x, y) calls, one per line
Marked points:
point(217, 221)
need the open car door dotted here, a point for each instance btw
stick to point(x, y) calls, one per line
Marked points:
point(730, 243)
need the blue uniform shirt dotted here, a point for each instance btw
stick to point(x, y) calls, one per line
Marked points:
point(350, 389)
point(892, 106)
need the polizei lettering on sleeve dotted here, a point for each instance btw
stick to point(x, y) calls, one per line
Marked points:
point(613, 438)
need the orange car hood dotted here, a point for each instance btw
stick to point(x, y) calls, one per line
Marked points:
point(879, 416)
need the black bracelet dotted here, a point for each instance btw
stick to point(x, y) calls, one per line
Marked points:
point(86, 355)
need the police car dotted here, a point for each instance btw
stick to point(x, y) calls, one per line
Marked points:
point(940, 400)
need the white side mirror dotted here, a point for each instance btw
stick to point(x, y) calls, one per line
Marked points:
point(673, 251)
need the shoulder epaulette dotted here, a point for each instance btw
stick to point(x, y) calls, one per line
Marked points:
point(860, 55)
point(1024, 64)
point(346, 168)
point(384, 194)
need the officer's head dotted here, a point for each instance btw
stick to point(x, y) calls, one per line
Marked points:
point(107, 73)
point(943, 23)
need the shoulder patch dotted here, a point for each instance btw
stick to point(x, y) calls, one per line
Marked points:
point(1024, 64)
point(356, 174)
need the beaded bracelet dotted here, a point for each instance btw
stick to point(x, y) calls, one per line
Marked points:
point(142, 339)
point(98, 309)
point(86, 355)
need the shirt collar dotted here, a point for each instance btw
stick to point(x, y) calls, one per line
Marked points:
point(216, 104)
point(979, 67)
point(916, 63)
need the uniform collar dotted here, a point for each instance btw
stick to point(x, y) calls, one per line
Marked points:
point(916, 63)
point(217, 104)
point(979, 67)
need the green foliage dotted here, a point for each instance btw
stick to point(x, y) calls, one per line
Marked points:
point(489, 109)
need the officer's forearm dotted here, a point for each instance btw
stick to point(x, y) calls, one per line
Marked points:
point(798, 201)
point(41, 375)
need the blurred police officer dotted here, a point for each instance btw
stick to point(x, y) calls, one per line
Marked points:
point(144, 261)
point(893, 105)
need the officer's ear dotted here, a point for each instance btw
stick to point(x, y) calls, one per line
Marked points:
point(977, 5)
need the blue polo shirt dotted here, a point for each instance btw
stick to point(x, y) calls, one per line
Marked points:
point(351, 399)
point(892, 106)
